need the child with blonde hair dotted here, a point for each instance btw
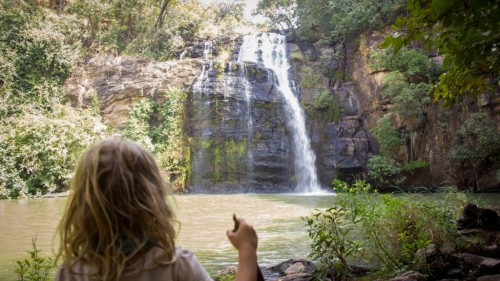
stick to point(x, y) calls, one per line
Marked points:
point(119, 226)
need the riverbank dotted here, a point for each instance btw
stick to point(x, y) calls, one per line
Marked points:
point(474, 255)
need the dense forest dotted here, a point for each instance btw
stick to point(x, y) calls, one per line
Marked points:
point(437, 54)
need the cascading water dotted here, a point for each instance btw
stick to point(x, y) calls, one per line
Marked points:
point(222, 156)
point(248, 102)
point(269, 49)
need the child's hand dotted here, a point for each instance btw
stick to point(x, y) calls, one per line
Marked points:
point(243, 237)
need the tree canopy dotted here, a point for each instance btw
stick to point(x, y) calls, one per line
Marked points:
point(465, 33)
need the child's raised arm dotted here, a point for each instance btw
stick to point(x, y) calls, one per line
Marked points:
point(245, 240)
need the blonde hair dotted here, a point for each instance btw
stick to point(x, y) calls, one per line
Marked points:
point(117, 201)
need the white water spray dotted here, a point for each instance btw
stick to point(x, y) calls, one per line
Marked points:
point(269, 49)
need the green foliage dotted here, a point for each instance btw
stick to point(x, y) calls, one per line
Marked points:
point(393, 83)
point(37, 51)
point(280, 13)
point(138, 124)
point(232, 11)
point(331, 247)
point(36, 267)
point(159, 128)
point(158, 44)
point(151, 28)
point(340, 19)
point(327, 105)
point(235, 153)
point(478, 146)
point(385, 172)
point(464, 32)
point(310, 80)
point(387, 137)
point(297, 55)
point(331, 231)
point(226, 157)
point(323, 99)
point(224, 277)
point(39, 149)
point(412, 166)
point(113, 24)
point(409, 82)
point(171, 144)
point(412, 62)
point(407, 86)
point(334, 111)
point(41, 139)
point(408, 99)
point(387, 230)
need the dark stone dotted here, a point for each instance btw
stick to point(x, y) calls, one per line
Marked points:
point(281, 267)
point(475, 217)
point(298, 277)
point(410, 276)
point(495, 277)
point(455, 273)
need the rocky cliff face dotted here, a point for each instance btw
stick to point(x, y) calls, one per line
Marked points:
point(239, 142)
point(236, 124)
point(238, 135)
point(118, 83)
point(431, 142)
point(343, 145)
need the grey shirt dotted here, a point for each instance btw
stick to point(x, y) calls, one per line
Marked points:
point(185, 268)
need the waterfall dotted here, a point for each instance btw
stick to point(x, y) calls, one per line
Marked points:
point(248, 101)
point(221, 99)
point(269, 50)
point(200, 88)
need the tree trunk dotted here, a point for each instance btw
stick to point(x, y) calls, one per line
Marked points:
point(159, 21)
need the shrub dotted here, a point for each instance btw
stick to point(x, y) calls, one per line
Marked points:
point(297, 55)
point(323, 99)
point(159, 128)
point(478, 147)
point(37, 51)
point(385, 172)
point(387, 230)
point(40, 138)
point(331, 247)
point(138, 126)
point(38, 149)
point(387, 137)
point(412, 62)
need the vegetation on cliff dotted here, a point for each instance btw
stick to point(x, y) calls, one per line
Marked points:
point(41, 133)
point(41, 42)
point(465, 33)
point(439, 50)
